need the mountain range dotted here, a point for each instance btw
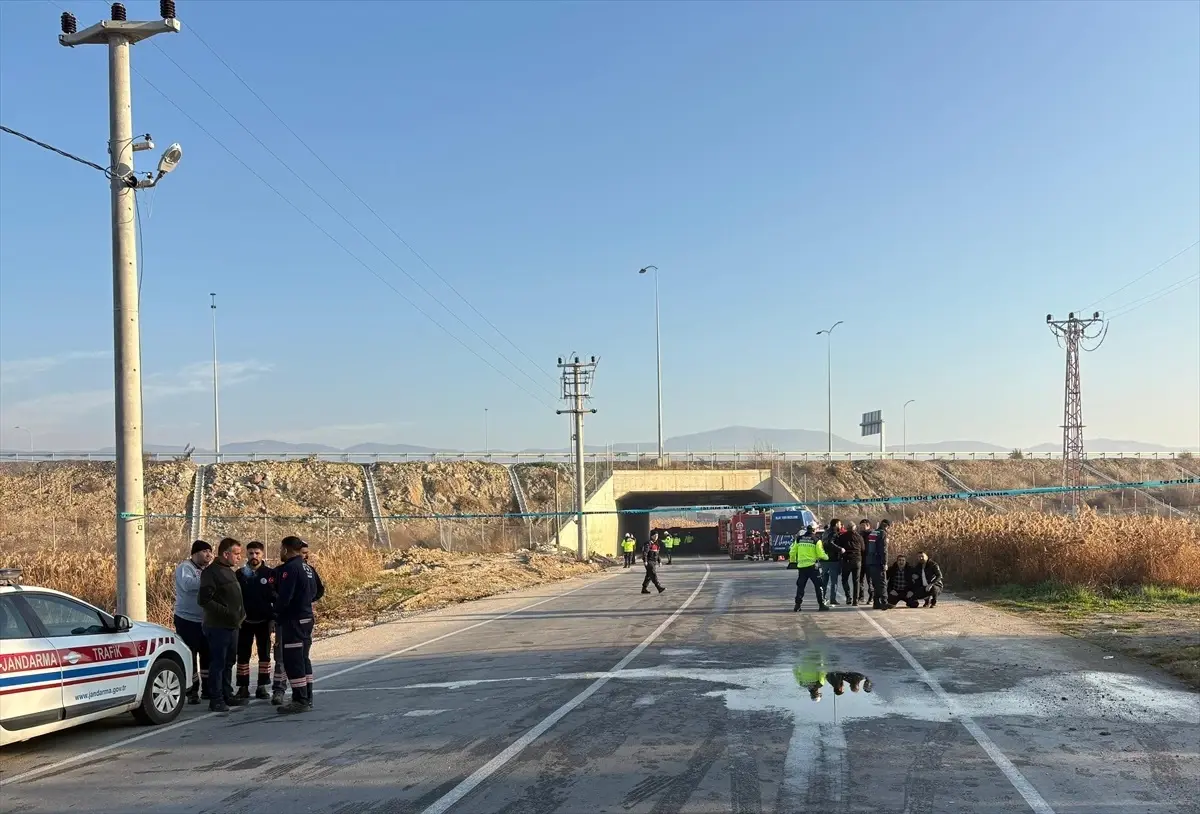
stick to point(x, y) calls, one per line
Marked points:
point(727, 439)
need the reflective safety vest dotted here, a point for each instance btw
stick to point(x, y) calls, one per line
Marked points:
point(627, 545)
point(669, 541)
point(806, 553)
point(810, 672)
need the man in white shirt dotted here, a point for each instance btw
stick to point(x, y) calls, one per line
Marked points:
point(189, 618)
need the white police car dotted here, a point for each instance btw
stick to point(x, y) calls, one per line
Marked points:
point(64, 663)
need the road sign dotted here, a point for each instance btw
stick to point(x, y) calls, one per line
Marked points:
point(872, 423)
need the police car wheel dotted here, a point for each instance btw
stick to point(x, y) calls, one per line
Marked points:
point(162, 699)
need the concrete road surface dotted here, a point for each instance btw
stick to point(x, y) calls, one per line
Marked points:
point(588, 696)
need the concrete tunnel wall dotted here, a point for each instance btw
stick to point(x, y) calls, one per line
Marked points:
point(603, 530)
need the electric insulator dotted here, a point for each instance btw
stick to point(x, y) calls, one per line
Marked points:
point(69, 26)
point(166, 9)
point(118, 12)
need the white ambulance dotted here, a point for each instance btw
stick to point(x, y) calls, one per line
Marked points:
point(65, 663)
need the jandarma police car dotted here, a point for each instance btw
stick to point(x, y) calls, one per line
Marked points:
point(64, 663)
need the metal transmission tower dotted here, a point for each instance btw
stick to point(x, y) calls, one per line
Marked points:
point(576, 389)
point(1072, 333)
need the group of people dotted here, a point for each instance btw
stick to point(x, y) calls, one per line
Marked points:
point(226, 608)
point(664, 543)
point(858, 557)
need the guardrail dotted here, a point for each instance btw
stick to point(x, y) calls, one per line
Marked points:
point(643, 460)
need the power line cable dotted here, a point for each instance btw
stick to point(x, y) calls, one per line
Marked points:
point(1158, 295)
point(1138, 279)
point(349, 223)
point(53, 149)
point(366, 205)
point(339, 243)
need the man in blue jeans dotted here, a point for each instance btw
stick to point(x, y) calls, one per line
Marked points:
point(832, 570)
point(220, 598)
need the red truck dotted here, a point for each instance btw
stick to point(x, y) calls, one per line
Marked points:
point(733, 533)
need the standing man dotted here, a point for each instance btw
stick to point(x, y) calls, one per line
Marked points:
point(221, 598)
point(627, 547)
point(852, 545)
point(805, 554)
point(832, 570)
point(669, 544)
point(258, 595)
point(189, 617)
point(296, 591)
point(650, 557)
point(876, 561)
point(864, 587)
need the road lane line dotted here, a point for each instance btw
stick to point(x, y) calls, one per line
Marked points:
point(1034, 800)
point(485, 771)
point(51, 767)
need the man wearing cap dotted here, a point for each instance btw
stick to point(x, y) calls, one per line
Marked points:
point(189, 618)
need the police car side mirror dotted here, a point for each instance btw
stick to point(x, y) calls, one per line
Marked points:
point(121, 623)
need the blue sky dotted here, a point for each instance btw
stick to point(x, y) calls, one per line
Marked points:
point(940, 176)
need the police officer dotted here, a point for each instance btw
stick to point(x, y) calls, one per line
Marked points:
point(651, 560)
point(804, 555)
point(628, 544)
point(296, 590)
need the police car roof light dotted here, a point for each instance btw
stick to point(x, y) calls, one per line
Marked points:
point(10, 576)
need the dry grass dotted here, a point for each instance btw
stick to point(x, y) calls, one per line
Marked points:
point(977, 549)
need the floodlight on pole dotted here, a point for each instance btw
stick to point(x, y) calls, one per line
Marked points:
point(828, 332)
point(658, 352)
point(28, 432)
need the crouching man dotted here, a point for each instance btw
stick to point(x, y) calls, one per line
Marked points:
point(926, 580)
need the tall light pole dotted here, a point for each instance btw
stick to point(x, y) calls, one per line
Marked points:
point(118, 34)
point(486, 447)
point(829, 381)
point(216, 386)
point(658, 350)
point(29, 432)
point(905, 411)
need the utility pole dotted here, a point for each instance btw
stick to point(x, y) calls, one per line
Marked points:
point(829, 381)
point(487, 448)
point(1071, 333)
point(119, 34)
point(904, 410)
point(658, 352)
point(216, 387)
point(576, 389)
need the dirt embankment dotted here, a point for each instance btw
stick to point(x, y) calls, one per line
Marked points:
point(547, 486)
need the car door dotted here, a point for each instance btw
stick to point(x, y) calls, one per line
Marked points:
point(30, 676)
point(101, 668)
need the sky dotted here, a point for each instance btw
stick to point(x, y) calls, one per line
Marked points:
point(938, 176)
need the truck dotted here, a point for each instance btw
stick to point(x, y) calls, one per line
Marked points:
point(733, 533)
point(786, 525)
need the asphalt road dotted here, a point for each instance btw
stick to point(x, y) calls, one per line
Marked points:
point(588, 696)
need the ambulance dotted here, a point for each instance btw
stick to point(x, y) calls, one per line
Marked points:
point(64, 663)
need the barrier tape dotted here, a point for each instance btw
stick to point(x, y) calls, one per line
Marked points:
point(1032, 491)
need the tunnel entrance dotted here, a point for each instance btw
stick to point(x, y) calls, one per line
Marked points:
point(683, 522)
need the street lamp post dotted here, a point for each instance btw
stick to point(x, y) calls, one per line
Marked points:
point(28, 432)
point(486, 447)
point(905, 412)
point(658, 350)
point(216, 387)
point(829, 381)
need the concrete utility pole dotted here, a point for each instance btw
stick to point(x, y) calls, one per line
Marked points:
point(216, 387)
point(1070, 333)
point(905, 411)
point(829, 380)
point(658, 352)
point(119, 34)
point(576, 386)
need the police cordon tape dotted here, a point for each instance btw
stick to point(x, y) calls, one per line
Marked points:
point(1033, 491)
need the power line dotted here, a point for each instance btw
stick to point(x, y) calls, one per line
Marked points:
point(359, 198)
point(349, 223)
point(1158, 295)
point(338, 243)
point(53, 149)
point(1138, 279)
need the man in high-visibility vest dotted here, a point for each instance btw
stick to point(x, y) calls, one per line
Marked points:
point(628, 544)
point(810, 673)
point(805, 554)
point(669, 544)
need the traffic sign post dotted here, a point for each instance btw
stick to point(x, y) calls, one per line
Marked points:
point(872, 424)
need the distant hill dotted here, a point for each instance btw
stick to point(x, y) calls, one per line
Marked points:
point(729, 439)
point(951, 446)
point(1108, 445)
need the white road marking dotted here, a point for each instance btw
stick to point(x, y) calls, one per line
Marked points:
point(50, 767)
point(423, 713)
point(1034, 800)
point(488, 769)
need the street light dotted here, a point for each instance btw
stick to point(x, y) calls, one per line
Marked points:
point(216, 388)
point(30, 433)
point(829, 380)
point(658, 348)
point(486, 448)
point(905, 411)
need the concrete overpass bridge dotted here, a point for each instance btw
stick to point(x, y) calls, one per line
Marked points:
point(649, 489)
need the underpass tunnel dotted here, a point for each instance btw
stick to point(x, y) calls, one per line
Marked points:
point(704, 538)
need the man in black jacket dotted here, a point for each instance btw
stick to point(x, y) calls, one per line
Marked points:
point(831, 569)
point(875, 559)
point(295, 593)
point(926, 580)
point(258, 595)
point(650, 558)
point(851, 543)
point(220, 598)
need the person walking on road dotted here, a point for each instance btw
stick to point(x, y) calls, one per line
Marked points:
point(189, 617)
point(258, 595)
point(296, 592)
point(805, 555)
point(926, 580)
point(852, 544)
point(651, 560)
point(221, 598)
point(876, 561)
point(832, 570)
